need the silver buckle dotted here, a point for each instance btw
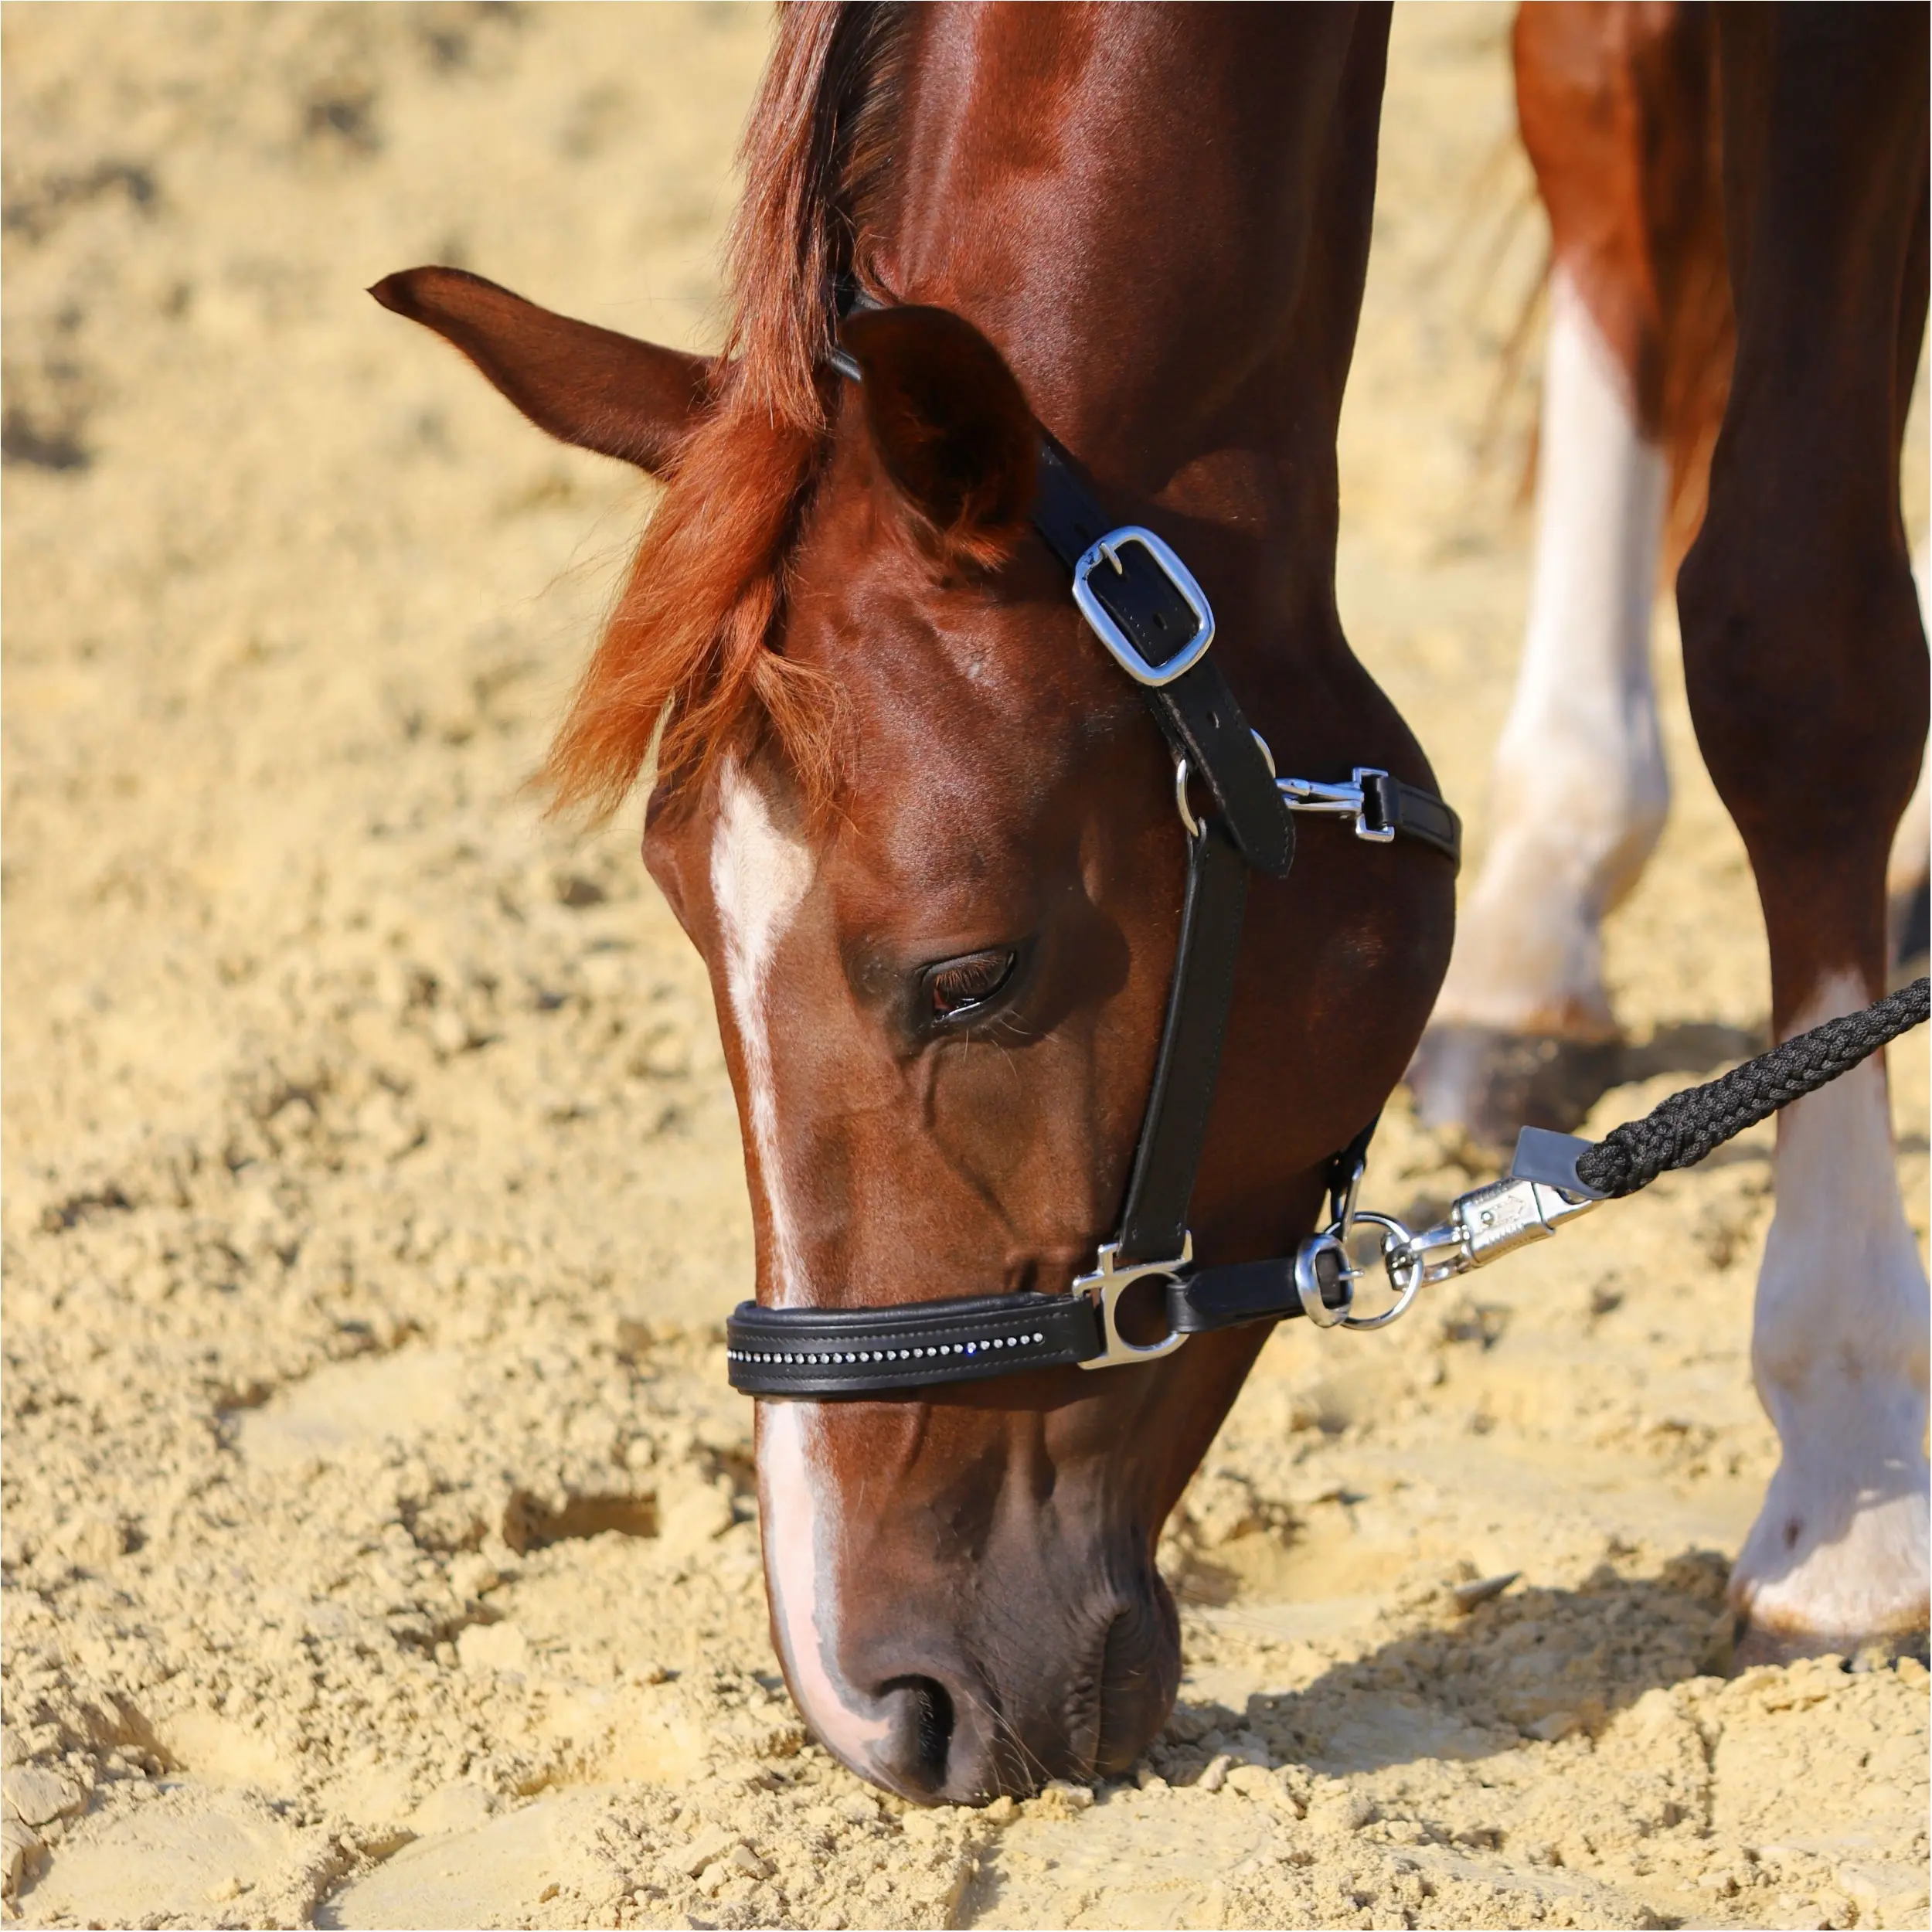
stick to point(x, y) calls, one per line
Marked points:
point(1308, 1277)
point(1349, 801)
point(1125, 653)
point(1105, 1286)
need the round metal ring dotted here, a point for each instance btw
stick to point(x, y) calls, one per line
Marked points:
point(1393, 1232)
point(1182, 771)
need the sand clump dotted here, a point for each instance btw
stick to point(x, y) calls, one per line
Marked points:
point(379, 1544)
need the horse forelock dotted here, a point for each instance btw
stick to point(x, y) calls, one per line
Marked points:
point(686, 661)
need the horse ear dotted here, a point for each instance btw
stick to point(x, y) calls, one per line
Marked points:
point(950, 423)
point(585, 385)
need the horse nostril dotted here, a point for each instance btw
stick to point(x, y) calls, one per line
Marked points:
point(922, 1734)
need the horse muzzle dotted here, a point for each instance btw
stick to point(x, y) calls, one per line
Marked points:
point(962, 1721)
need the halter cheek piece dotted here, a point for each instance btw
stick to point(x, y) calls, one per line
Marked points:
point(1142, 602)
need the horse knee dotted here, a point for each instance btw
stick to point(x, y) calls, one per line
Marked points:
point(1805, 665)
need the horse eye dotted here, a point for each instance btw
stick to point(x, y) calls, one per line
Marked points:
point(957, 986)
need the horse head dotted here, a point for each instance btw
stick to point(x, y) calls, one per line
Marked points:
point(924, 834)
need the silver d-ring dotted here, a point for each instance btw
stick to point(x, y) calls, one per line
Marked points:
point(1182, 773)
point(1394, 1233)
point(1308, 1281)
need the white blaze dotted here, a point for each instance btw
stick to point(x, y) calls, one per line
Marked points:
point(1839, 1352)
point(760, 875)
point(1580, 788)
point(801, 1536)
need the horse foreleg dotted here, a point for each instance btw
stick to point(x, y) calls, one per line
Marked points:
point(1806, 667)
point(1615, 105)
point(1523, 1032)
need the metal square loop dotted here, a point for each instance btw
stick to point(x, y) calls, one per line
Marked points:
point(1111, 1279)
point(1124, 651)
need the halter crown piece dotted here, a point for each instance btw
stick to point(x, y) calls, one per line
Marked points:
point(1156, 621)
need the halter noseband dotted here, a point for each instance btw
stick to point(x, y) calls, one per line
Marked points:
point(1143, 603)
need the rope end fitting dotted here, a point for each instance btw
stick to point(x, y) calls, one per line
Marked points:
point(1552, 1159)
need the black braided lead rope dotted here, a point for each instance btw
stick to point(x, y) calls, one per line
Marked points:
point(1685, 1128)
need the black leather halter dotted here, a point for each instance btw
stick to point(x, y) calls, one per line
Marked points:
point(1145, 607)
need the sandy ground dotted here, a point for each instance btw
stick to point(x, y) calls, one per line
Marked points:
point(379, 1548)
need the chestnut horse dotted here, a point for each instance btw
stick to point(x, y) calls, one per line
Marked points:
point(923, 831)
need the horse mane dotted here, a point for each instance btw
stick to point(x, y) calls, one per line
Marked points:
point(688, 659)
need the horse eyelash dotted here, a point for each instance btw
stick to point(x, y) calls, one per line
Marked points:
point(961, 984)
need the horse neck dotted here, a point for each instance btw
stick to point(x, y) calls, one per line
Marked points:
point(1129, 202)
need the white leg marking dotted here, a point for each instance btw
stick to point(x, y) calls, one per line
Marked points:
point(1579, 788)
point(1839, 1352)
point(759, 873)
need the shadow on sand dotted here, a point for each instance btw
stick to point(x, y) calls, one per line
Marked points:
point(1529, 1664)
